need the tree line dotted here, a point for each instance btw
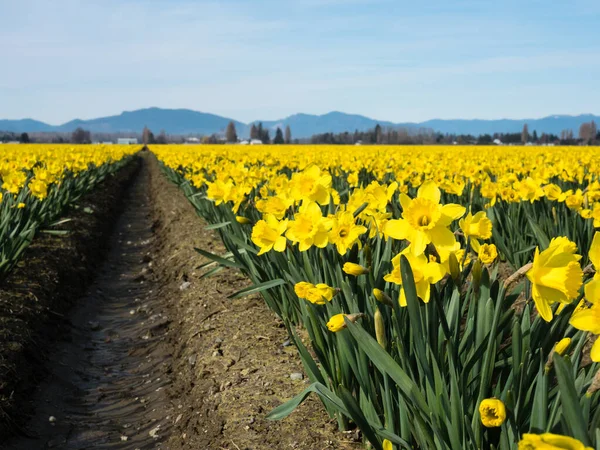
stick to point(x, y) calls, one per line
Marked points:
point(588, 134)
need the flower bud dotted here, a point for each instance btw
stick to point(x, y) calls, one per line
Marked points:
point(476, 273)
point(382, 297)
point(243, 220)
point(454, 268)
point(380, 329)
point(560, 348)
point(354, 269)
point(337, 322)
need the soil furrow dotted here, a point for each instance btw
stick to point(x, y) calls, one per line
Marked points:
point(105, 386)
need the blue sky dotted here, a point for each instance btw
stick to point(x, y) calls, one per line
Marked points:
point(387, 59)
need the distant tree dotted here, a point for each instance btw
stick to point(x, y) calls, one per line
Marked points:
point(81, 136)
point(254, 132)
point(278, 137)
point(260, 131)
point(587, 132)
point(147, 136)
point(566, 137)
point(24, 138)
point(230, 134)
point(162, 137)
point(377, 133)
point(534, 138)
point(288, 134)
point(265, 138)
point(525, 134)
point(484, 139)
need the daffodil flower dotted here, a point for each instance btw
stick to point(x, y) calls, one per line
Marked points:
point(425, 273)
point(267, 234)
point(550, 441)
point(555, 275)
point(424, 220)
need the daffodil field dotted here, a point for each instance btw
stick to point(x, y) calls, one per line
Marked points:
point(38, 181)
point(448, 294)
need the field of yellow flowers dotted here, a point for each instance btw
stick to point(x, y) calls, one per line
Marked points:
point(38, 181)
point(449, 294)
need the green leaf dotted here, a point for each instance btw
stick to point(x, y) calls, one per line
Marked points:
point(386, 364)
point(571, 408)
point(540, 236)
point(218, 259)
point(55, 232)
point(288, 407)
point(257, 288)
point(216, 226)
point(358, 417)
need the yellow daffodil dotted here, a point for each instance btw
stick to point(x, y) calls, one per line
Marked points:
point(242, 220)
point(561, 346)
point(425, 220)
point(550, 441)
point(318, 294)
point(311, 184)
point(476, 226)
point(344, 231)
point(592, 288)
point(492, 412)
point(487, 253)
point(309, 227)
point(354, 269)
point(267, 234)
point(336, 323)
point(425, 273)
point(555, 275)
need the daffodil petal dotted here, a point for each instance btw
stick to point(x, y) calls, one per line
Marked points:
point(397, 229)
point(430, 191)
point(595, 352)
point(587, 320)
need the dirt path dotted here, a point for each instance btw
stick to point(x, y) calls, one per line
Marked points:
point(105, 387)
point(157, 357)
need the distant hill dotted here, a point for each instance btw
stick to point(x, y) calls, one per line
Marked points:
point(187, 121)
point(306, 125)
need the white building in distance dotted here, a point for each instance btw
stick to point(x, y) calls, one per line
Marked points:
point(127, 141)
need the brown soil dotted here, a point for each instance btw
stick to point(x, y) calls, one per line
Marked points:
point(154, 356)
point(52, 275)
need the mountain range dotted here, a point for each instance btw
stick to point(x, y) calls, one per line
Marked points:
point(186, 122)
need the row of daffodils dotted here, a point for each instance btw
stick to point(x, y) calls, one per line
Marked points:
point(448, 294)
point(38, 181)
